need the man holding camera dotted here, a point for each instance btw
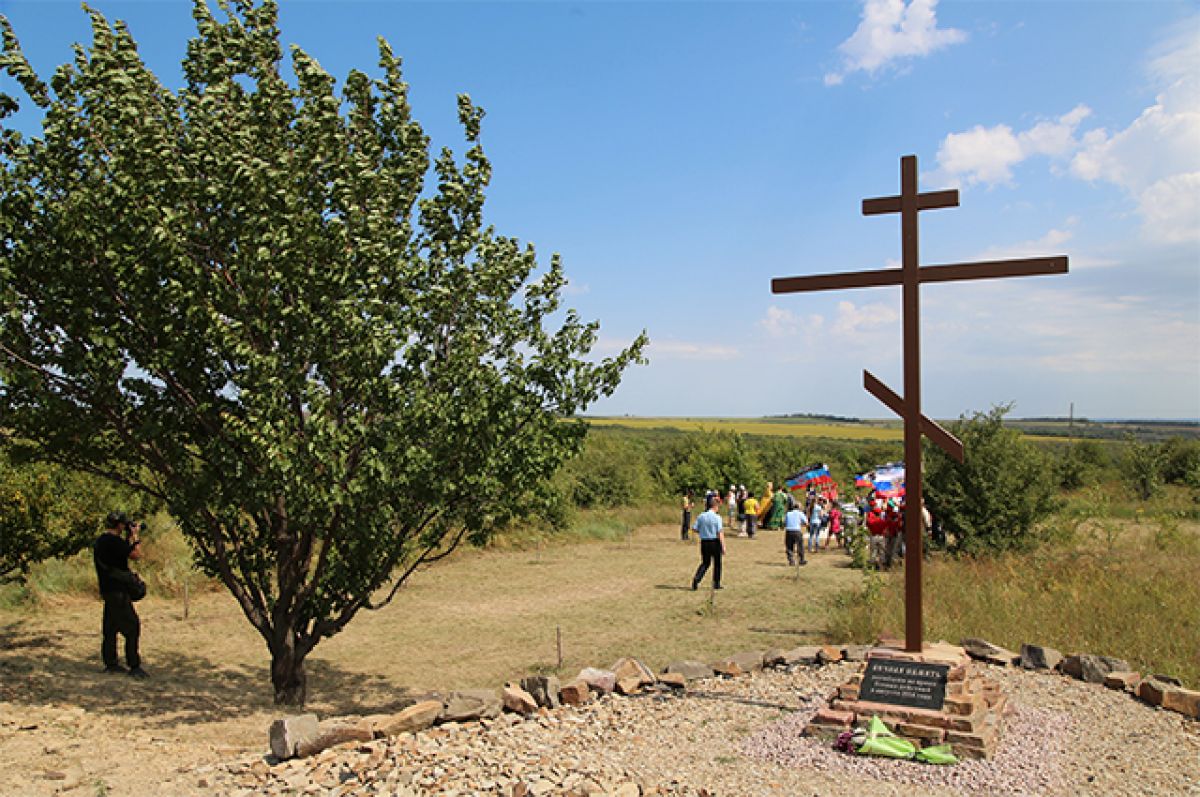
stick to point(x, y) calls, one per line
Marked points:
point(120, 588)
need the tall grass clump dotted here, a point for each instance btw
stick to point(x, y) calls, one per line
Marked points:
point(1119, 588)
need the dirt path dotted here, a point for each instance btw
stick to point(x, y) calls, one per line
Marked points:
point(481, 619)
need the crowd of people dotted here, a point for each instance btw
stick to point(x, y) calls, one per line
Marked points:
point(806, 521)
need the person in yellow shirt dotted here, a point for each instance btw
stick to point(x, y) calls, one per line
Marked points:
point(686, 505)
point(751, 515)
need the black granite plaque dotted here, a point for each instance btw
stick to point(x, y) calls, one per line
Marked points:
point(904, 683)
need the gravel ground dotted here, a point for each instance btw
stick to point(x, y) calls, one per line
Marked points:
point(741, 738)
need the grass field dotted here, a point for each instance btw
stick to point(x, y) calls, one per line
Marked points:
point(1124, 588)
point(782, 427)
point(479, 619)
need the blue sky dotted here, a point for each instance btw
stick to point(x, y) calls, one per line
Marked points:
point(680, 155)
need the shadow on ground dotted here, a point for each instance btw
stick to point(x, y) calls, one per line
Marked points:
point(43, 668)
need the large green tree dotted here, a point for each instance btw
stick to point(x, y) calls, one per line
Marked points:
point(992, 500)
point(242, 298)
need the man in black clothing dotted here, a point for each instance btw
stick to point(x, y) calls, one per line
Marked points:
point(113, 549)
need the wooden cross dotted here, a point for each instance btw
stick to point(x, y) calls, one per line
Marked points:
point(910, 275)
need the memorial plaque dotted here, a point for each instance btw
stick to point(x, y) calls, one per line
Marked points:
point(904, 683)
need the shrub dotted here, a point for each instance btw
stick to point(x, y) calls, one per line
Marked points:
point(1143, 468)
point(609, 472)
point(1081, 464)
point(991, 501)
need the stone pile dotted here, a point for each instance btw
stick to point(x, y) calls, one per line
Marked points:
point(1163, 691)
point(304, 735)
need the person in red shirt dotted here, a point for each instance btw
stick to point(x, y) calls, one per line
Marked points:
point(876, 528)
point(893, 529)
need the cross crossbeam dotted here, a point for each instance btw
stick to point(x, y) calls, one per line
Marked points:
point(930, 428)
point(910, 276)
point(953, 272)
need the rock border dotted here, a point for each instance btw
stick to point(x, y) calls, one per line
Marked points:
point(300, 736)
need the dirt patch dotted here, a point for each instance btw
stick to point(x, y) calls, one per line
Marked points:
point(478, 620)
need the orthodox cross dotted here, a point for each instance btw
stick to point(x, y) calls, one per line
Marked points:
point(910, 275)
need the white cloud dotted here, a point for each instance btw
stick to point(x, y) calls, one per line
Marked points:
point(780, 323)
point(1045, 245)
point(1053, 242)
point(1170, 209)
point(987, 154)
point(892, 30)
point(1075, 332)
point(854, 322)
point(1156, 159)
point(1060, 338)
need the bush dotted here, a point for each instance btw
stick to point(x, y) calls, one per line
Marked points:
point(1181, 462)
point(1143, 468)
point(610, 471)
point(1082, 464)
point(991, 501)
point(711, 460)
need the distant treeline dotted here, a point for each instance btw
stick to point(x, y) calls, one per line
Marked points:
point(1143, 430)
point(623, 466)
point(810, 416)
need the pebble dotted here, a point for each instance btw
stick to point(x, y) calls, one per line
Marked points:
point(741, 738)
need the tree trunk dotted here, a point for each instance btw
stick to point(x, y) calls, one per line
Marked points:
point(287, 670)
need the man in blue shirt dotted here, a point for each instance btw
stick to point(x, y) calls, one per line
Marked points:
point(793, 540)
point(712, 543)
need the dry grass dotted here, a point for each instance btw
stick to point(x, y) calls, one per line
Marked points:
point(479, 619)
point(1121, 588)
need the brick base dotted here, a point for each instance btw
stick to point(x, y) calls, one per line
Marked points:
point(970, 720)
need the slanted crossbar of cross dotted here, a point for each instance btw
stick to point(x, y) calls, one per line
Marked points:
point(910, 275)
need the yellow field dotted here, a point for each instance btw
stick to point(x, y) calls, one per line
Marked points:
point(782, 427)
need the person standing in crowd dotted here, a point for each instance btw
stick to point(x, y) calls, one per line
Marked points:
point(764, 505)
point(816, 518)
point(777, 508)
point(926, 529)
point(876, 526)
point(751, 515)
point(687, 515)
point(712, 543)
point(741, 508)
point(835, 524)
point(120, 542)
point(793, 534)
point(892, 531)
point(731, 506)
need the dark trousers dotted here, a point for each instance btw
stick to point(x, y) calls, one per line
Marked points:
point(710, 553)
point(793, 542)
point(687, 524)
point(120, 618)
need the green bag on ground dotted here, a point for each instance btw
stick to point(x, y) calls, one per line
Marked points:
point(938, 754)
point(881, 741)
